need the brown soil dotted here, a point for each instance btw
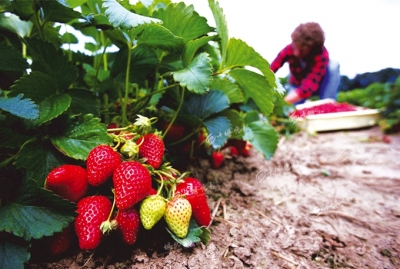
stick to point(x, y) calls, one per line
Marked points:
point(324, 201)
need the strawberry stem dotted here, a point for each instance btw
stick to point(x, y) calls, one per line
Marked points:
point(176, 114)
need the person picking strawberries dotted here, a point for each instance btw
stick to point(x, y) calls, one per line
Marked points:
point(312, 72)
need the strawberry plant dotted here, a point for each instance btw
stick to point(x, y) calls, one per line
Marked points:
point(56, 105)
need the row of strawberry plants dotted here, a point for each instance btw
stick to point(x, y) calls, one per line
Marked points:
point(56, 104)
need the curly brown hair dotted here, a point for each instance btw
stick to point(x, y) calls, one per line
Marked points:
point(309, 35)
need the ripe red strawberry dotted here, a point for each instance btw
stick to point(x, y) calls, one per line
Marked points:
point(60, 242)
point(68, 181)
point(92, 211)
point(101, 163)
point(151, 147)
point(234, 151)
point(193, 191)
point(132, 183)
point(217, 158)
point(242, 146)
point(175, 132)
point(128, 224)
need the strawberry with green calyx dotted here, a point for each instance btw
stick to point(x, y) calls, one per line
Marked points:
point(128, 222)
point(101, 163)
point(192, 189)
point(217, 159)
point(151, 147)
point(68, 181)
point(132, 182)
point(130, 149)
point(152, 208)
point(177, 216)
point(92, 212)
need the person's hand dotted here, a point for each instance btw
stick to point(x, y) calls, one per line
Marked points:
point(292, 97)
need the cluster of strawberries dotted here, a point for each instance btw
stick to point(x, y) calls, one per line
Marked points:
point(144, 190)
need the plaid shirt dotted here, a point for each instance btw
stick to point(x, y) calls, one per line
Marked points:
point(306, 75)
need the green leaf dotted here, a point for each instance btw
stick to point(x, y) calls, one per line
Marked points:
point(159, 37)
point(80, 136)
point(83, 102)
point(192, 47)
point(177, 15)
point(195, 235)
point(143, 62)
point(197, 75)
point(263, 137)
point(26, 219)
point(54, 11)
point(75, 3)
point(11, 59)
point(237, 123)
point(15, 25)
point(36, 86)
point(24, 9)
point(257, 87)
point(222, 26)
point(219, 130)
point(239, 54)
point(69, 38)
point(13, 255)
point(203, 106)
point(230, 89)
point(11, 138)
point(38, 158)
point(52, 107)
point(51, 61)
point(120, 17)
point(17, 106)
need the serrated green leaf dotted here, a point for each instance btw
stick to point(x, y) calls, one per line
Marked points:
point(230, 89)
point(222, 26)
point(143, 61)
point(11, 138)
point(120, 17)
point(194, 235)
point(75, 3)
point(203, 106)
point(263, 137)
point(69, 38)
point(197, 75)
point(52, 107)
point(51, 61)
point(23, 108)
point(11, 59)
point(159, 37)
point(192, 46)
point(219, 130)
point(257, 87)
point(177, 15)
point(38, 158)
point(13, 255)
point(31, 221)
point(239, 54)
point(54, 11)
point(80, 136)
point(24, 9)
point(237, 123)
point(83, 102)
point(15, 25)
point(36, 86)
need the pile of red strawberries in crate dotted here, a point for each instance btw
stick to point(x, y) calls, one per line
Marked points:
point(143, 189)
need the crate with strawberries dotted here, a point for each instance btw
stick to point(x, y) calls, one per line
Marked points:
point(126, 187)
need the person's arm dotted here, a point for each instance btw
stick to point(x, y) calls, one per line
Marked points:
point(293, 97)
point(280, 59)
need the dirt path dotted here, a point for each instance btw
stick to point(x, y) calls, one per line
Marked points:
point(324, 201)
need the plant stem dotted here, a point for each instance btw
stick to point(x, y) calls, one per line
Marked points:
point(176, 113)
